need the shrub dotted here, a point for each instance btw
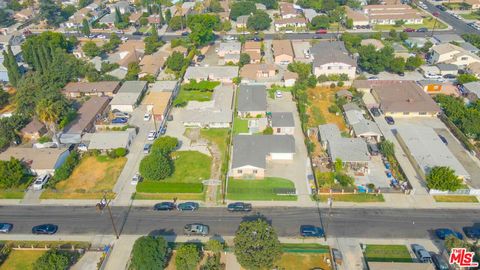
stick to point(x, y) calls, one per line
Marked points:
point(268, 131)
point(54, 259)
point(149, 252)
point(164, 145)
point(156, 167)
point(65, 170)
point(332, 85)
point(344, 180)
point(112, 154)
point(340, 84)
point(44, 139)
point(187, 257)
point(333, 109)
point(120, 152)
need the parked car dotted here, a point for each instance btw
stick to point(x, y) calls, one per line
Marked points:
point(5, 227)
point(421, 253)
point(472, 232)
point(375, 111)
point(321, 31)
point(163, 130)
point(119, 120)
point(258, 39)
point(136, 178)
point(146, 148)
point(239, 207)
point(164, 206)
point(441, 7)
point(102, 36)
point(443, 139)
point(152, 135)
point(124, 38)
point(449, 76)
point(433, 76)
point(278, 94)
point(422, 29)
point(436, 14)
point(146, 117)
point(137, 33)
point(443, 233)
point(372, 78)
point(200, 58)
point(317, 37)
point(188, 206)
point(184, 34)
point(45, 229)
point(311, 231)
point(439, 262)
point(408, 30)
point(40, 181)
point(389, 120)
point(120, 114)
point(196, 229)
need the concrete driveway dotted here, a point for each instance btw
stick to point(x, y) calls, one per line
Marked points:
point(295, 170)
point(409, 75)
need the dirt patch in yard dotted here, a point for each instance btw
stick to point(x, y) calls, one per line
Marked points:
point(320, 99)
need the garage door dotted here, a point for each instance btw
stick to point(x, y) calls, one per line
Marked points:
point(282, 156)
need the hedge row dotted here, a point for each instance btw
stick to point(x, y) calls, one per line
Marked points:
point(167, 187)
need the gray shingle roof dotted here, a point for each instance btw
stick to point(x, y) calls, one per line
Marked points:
point(328, 131)
point(253, 149)
point(282, 119)
point(447, 67)
point(252, 98)
point(328, 52)
point(351, 107)
point(132, 87)
point(348, 149)
point(366, 127)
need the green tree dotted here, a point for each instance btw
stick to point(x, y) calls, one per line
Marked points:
point(4, 97)
point(12, 172)
point(84, 3)
point(6, 18)
point(187, 257)
point(215, 7)
point(443, 178)
point(112, 43)
point(51, 13)
point(397, 65)
point(164, 145)
point(349, 23)
point(53, 260)
point(242, 8)
point(177, 23)
point(91, 49)
point(152, 42)
point(10, 63)
point(320, 22)
point(403, 36)
point(466, 78)
point(149, 253)
point(392, 34)
point(14, 5)
point(85, 27)
point(143, 21)
point(156, 167)
point(256, 245)
point(132, 72)
point(49, 111)
point(202, 26)
point(268, 131)
point(260, 20)
point(168, 16)
point(214, 246)
point(374, 61)
point(212, 263)
point(413, 62)
point(338, 165)
point(244, 59)
point(387, 148)
point(39, 50)
point(66, 169)
point(175, 61)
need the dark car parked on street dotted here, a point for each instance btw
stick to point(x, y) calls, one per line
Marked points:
point(164, 206)
point(239, 207)
point(472, 232)
point(444, 233)
point(389, 120)
point(5, 227)
point(311, 231)
point(188, 206)
point(439, 262)
point(196, 229)
point(45, 229)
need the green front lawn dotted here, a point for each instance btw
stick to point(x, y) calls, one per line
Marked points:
point(259, 190)
point(456, 198)
point(220, 137)
point(353, 198)
point(240, 125)
point(471, 16)
point(21, 259)
point(387, 253)
point(185, 96)
point(428, 23)
point(12, 194)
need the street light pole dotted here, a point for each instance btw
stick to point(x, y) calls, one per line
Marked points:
point(106, 203)
point(434, 25)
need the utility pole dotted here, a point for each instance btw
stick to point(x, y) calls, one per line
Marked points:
point(434, 24)
point(106, 203)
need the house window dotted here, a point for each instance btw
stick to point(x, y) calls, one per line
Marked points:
point(279, 130)
point(329, 67)
point(239, 171)
point(255, 171)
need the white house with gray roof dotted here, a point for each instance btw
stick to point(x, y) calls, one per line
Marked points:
point(251, 100)
point(328, 132)
point(224, 74)
point(282, 123)
point(128, 96)
point(109, 140)
point(231, 47)
point(251, 153)
point(332, 57)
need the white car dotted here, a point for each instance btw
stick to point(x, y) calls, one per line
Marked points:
point(152, 135)
point(278, 94)
point(124, 38)
point(121, 115)
point(146, 117)
point(136, 178)
point(102, 36)
point(433, 76)
point(40, 181)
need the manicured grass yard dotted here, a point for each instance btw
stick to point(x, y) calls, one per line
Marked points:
point(456, 198)
point(428, 22)
point(303, 261)
point(12, 194)
point(21, 260)
point(92, 177)
point(259, 190)
point(387, 253)
point(185, 96)
point(353, 198)
point(169, 196)
point(471, 16)
point(240, 125)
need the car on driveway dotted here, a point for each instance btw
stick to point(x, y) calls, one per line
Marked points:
point(136, 178)
point(188, 206)
point(5, 227)
point(196, 229)
point(443, 139)
point(278, 94)
point(472, 232)
point(375, 112)
point(120, 120)
point(311, 231)
point(449, 76)
point(40, 181)
point(163, 130)
point(152, 135)
point(389, 120)
point(422, 254)
point(443, 233)
point(439, 262)
point(45, 229)
point(239, 207)
point(146, 117)
point(146, 148)
point(164, 206)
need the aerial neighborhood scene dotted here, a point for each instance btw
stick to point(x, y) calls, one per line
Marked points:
point(239, 134)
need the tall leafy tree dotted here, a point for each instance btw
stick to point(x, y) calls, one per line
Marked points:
point(54, 260)
point(187, 257)
point(168, 16)
point(175, 61)
point(149, 252)
point(12, 172)
point(256, 245)
point(10, 62)
point(132, 72)
point(6, 18)
point(152, 42)
point(260, 20)
point(242, 8)
point(91, 49)
point(156, 167)
point(85, 27)
point(38, 50)
point(443, 178)
point(51, 12)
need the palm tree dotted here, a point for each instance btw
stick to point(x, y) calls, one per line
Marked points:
point(48, 111)
point(179, 11)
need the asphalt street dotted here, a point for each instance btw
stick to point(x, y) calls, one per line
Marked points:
point(459, 26)
point(364, 223)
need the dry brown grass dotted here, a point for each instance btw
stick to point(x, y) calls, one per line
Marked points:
point(321, 98)
point(304, 261)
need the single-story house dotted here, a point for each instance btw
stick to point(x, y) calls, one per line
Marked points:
point(359, 19)
point(39, 161)
point(282, 123)
point(251, 100)
point(252, 46)
point(474, 68)
point(79, 89)
point(366, 129)
point(327, 132)
point(33, 130)
point(473, 90)
point(447, 38)
point(252, 152)
point(289, 78)
point(255, 57)
point(158, 103)
point(90, 111)
point(282, 51)
point(311, 13)
point(389, 14)
point(232, 47)
point(451, 54)
point(166, 86)
point(290, 23)
point(223, 74)
point(353, 152)
point(353, 116)
point(231, 58)
point(448, 69)
point(129, 96)
point(417, 42)
point(257, 72)
point(332, 58)
point(351, 107)
point(152, 64)
point(110, 140)
point(288, 10)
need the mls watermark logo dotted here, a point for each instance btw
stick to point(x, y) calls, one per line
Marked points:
point(462, 258)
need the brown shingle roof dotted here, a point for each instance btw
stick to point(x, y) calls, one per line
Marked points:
point(151, 64)
point(252, 46)
point(87, 113)
point(283, 46)
point(37, 159)
point(33, 127)
point(92, 87)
